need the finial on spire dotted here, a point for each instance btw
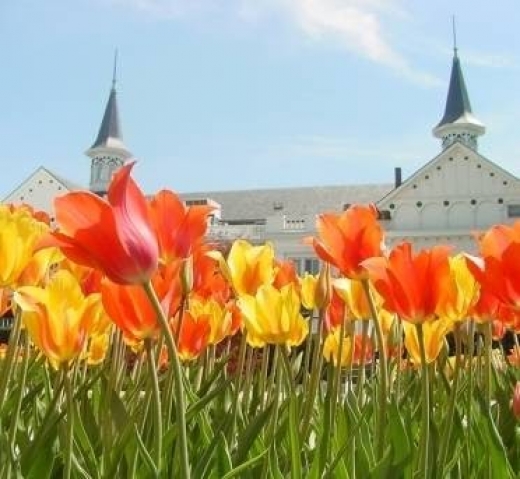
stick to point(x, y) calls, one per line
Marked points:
point(454, 35)
point(114, 73)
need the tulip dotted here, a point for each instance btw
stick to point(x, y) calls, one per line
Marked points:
point(180, 229)
point(434, 333)
point(273, 316)
point(499, 273)
point(411, 285)
point(194, 335)
point(331, 349)
point(460, 293)
point(346, 240)
point(115, 236)
point(285, 273)
point(308, 286)
point(58, 318)
point(219, 317)
point(353, 293)
point(131, 311)
point(247, 267)
point(19, 234)
point(336, 312)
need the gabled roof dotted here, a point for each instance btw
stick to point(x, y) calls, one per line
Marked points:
point(432, 164)
point(55, 183)
point(458, 107)
point(256, 205)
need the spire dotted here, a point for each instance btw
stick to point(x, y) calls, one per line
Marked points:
point(108, 153)
point(109, 134)
point(458, 122)
point(114, 71)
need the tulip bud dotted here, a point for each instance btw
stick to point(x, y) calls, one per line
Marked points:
point(515, 402)
point(323, 288)
point(187, 275)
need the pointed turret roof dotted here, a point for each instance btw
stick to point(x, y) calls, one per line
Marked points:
point(458, 122)
point(457, 103)
point(458, 106)
point(109, 134)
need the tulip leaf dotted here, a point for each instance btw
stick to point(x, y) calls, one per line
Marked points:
point(224, 464)
point(248, 436)
point(246, 467)
point(294, 437)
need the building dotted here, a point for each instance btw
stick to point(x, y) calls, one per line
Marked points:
point(447, 200)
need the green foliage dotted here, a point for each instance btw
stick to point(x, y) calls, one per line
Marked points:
point(113, 422)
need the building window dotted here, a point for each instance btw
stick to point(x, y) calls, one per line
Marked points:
point(513, 211)
point(306, 265)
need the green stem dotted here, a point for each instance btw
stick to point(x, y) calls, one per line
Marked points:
point(448, 420)
point(69, 438)
point(307, 355)
point(272, 454)
point(238, 385)
point(469, 406)
point(316, 366)
point(156, 401)
point(263, 378)
point(361, 377)
point(487, 379)
point(175, 369)
point(12, 351)
point(425, 432)
point(21, 391)
point(383, 371)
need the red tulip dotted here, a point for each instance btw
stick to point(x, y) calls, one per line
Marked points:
point(114, 236)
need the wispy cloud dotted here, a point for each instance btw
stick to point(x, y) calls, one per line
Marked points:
point(354, 25)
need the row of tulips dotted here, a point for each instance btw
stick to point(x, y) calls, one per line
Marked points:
point(138, 349)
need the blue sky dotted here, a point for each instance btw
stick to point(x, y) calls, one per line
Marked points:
point(239, 94)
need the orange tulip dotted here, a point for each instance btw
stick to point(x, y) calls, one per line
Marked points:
point(114, 236)
point(194, 335)
point(285, 273)
point(499, 273)
point(336, 311)
point(208, 280)
point(346, 240)
point(411, 284)
point(332, 344)
point(130, 310)
point(180, 229)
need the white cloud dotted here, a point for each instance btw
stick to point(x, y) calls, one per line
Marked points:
point(354, 25)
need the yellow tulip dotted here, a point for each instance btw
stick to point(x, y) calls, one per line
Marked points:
point(434, 333)
point(331, 348)
point(247, 266)
point(309, 284)
point(220, 318)
point(19, 233)
point(58, 318)
point(97, 348)
point(273, 316)
point(352, 292)
point(460, 294)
